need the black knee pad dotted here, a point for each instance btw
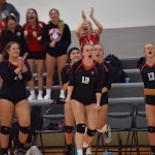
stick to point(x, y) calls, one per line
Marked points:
point(68, 129)
point(90, 132)
point(25, 130)
point(80, 128)
point(5, 130)
point(151, 129)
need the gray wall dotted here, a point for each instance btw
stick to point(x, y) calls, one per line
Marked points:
point(124, 42)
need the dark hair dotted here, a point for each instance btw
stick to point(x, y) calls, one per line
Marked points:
point(37, 19)
point(7, 47)
point(10, 17)
point(71, 50)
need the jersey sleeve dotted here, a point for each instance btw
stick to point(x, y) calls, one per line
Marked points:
point(101, 79)
point(27, 75)
point(64, 75)
point(6, 73)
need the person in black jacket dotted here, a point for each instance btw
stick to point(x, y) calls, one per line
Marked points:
point(56, 37)
point(147, 70)
point(14, 32)
point(13, 98)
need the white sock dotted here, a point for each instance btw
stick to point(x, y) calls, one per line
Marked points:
point(88, 151)
point(32, 92)
point(62, 94)
point(102, 130)
point(85, 145)
point(40, 93)
point(80, 152)
point(48, 92)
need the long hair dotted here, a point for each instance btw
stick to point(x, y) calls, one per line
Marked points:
point(61, 24)
point(10, 17)
point(7, 47)
point(37, 19)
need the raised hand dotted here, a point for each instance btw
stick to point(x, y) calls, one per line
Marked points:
point(83, 15)
point(91, 12)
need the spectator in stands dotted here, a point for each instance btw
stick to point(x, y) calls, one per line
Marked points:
point(84, 94)
point(8, 9)
point(13, 98)
point(102, 127)
point(85, 31)
point(33, 32)
point(73, 55)
point(14, 32)
point(148, 75)
point(56, 38)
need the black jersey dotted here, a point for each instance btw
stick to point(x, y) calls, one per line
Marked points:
point(106, 67)
point(17, 36)
point(65, 73)
point(86, 81)
point(13, 83)
point(148, 75)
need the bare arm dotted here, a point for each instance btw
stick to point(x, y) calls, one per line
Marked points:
point(78, 30)
point(97, 23)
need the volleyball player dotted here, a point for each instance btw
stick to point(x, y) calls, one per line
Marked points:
point(56, 38)
point(84, 94)
point(148, 75)
point(13, 98)
point(85, 31)
point(33, 32)
point(73, 55)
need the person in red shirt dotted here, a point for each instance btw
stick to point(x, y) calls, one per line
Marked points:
point(33, 32)
point(85, 31)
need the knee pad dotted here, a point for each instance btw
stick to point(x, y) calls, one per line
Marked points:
point(5, 130)
point(80, 128)
point(90, 132)
point(25, 130)
point(68, 129)
point(151, 129)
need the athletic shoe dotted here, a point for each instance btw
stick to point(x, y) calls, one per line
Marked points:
point(33, 151)
point(84, 151)
point(47, 97)
point(32, 97)
point(69, 151)
point(107, 135)
point(39, 98)
point(88, 151)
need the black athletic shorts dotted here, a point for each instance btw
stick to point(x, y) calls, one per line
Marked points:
point(150, 99)
point(1, 51)
point(104, 99)
point(37, 55)
point(56, 54)
point(14, 98)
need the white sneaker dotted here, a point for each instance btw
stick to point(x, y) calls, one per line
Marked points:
point(107, 135)
point(88, 151)
point(47, 97)
point(39, 97)
point(33, 151)
point(32, 97)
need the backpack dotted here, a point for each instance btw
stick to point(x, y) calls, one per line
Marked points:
point(116, 71)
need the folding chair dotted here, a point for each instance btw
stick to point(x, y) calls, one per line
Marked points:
point(56, 114)
point(140, 125)
point(120, 118)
